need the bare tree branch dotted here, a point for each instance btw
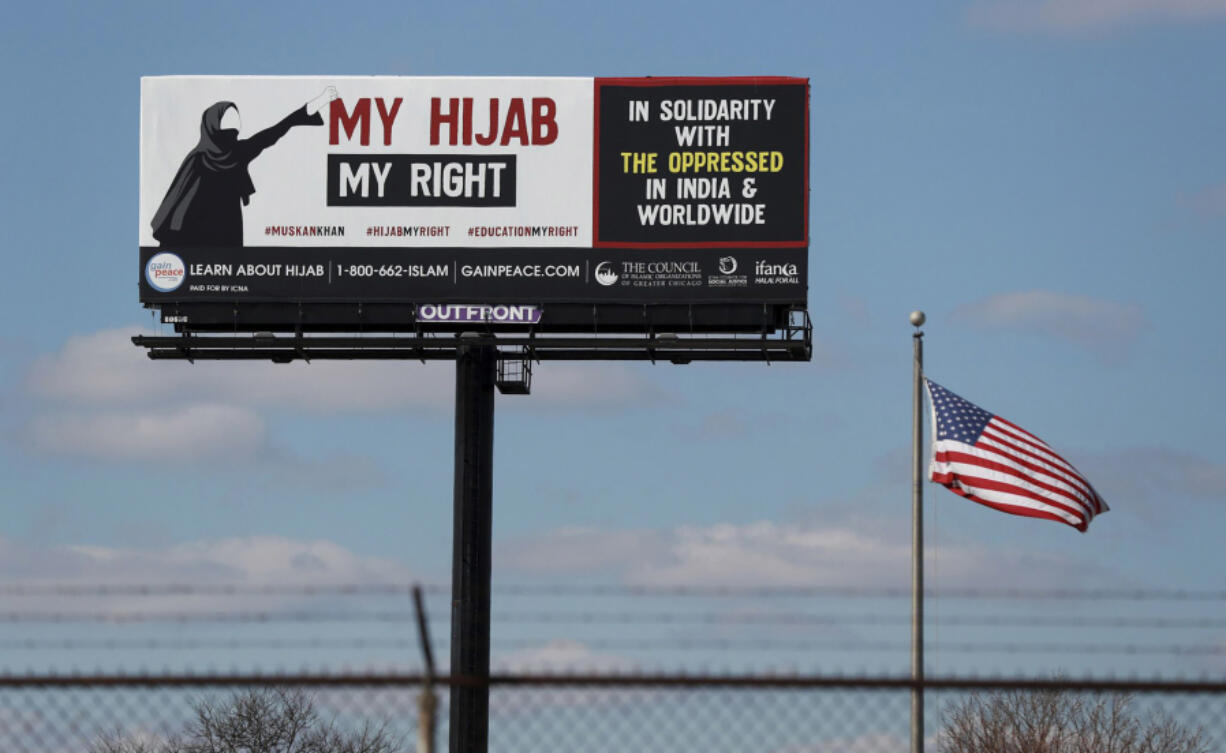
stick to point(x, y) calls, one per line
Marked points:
point(258, 721)
point(1060, 721)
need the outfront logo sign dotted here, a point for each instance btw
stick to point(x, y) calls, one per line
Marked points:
point(478, 312)
point(165, 272)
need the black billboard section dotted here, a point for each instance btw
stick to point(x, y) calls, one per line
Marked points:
point(438, 275)
point(421, 180)
point(717, 162)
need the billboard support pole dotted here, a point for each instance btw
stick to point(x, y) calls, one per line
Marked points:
point(476, 359)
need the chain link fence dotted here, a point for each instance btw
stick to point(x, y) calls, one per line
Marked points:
point(608, 714)
point(594, 669)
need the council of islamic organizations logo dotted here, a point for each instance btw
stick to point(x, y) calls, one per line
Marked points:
point(605, 274)
point(727, 264)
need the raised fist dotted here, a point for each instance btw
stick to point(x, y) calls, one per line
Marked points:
point(322, 101)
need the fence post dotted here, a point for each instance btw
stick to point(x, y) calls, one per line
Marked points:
point(427, 702)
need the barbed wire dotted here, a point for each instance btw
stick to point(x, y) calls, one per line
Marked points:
point(188, 589)
point(390, 589)
point(376, 679)
point(619, 618)
point(619, 644)
point(1099, 594)
point(211, 617)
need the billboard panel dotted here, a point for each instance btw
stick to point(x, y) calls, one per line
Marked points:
point(473, 190)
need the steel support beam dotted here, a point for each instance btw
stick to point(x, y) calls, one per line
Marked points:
point(471, 535)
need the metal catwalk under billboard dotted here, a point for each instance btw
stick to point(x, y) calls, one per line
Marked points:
point(490, 190)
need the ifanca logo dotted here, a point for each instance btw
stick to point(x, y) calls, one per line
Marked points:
point(165, 272)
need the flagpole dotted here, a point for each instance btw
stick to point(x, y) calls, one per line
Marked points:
point(917, 537)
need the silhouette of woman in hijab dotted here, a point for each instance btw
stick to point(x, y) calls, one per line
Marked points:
point(204, 205)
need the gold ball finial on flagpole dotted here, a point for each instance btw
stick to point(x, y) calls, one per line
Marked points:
point(918, 318)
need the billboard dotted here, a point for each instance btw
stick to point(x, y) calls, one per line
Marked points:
point(474, 191)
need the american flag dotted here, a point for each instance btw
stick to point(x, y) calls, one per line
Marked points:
point(987, 459)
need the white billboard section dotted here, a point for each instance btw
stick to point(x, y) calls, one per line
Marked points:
point(366, 162)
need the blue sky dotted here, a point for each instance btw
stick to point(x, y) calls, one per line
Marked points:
point(1046, 178)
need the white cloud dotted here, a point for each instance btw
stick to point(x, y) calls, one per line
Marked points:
point(1105, 328)
point(104, 368)
point(562, 654)
point(196, 432)
point(99, 396)
point(240, 561)
point(766, 553)
point(1085, 15)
